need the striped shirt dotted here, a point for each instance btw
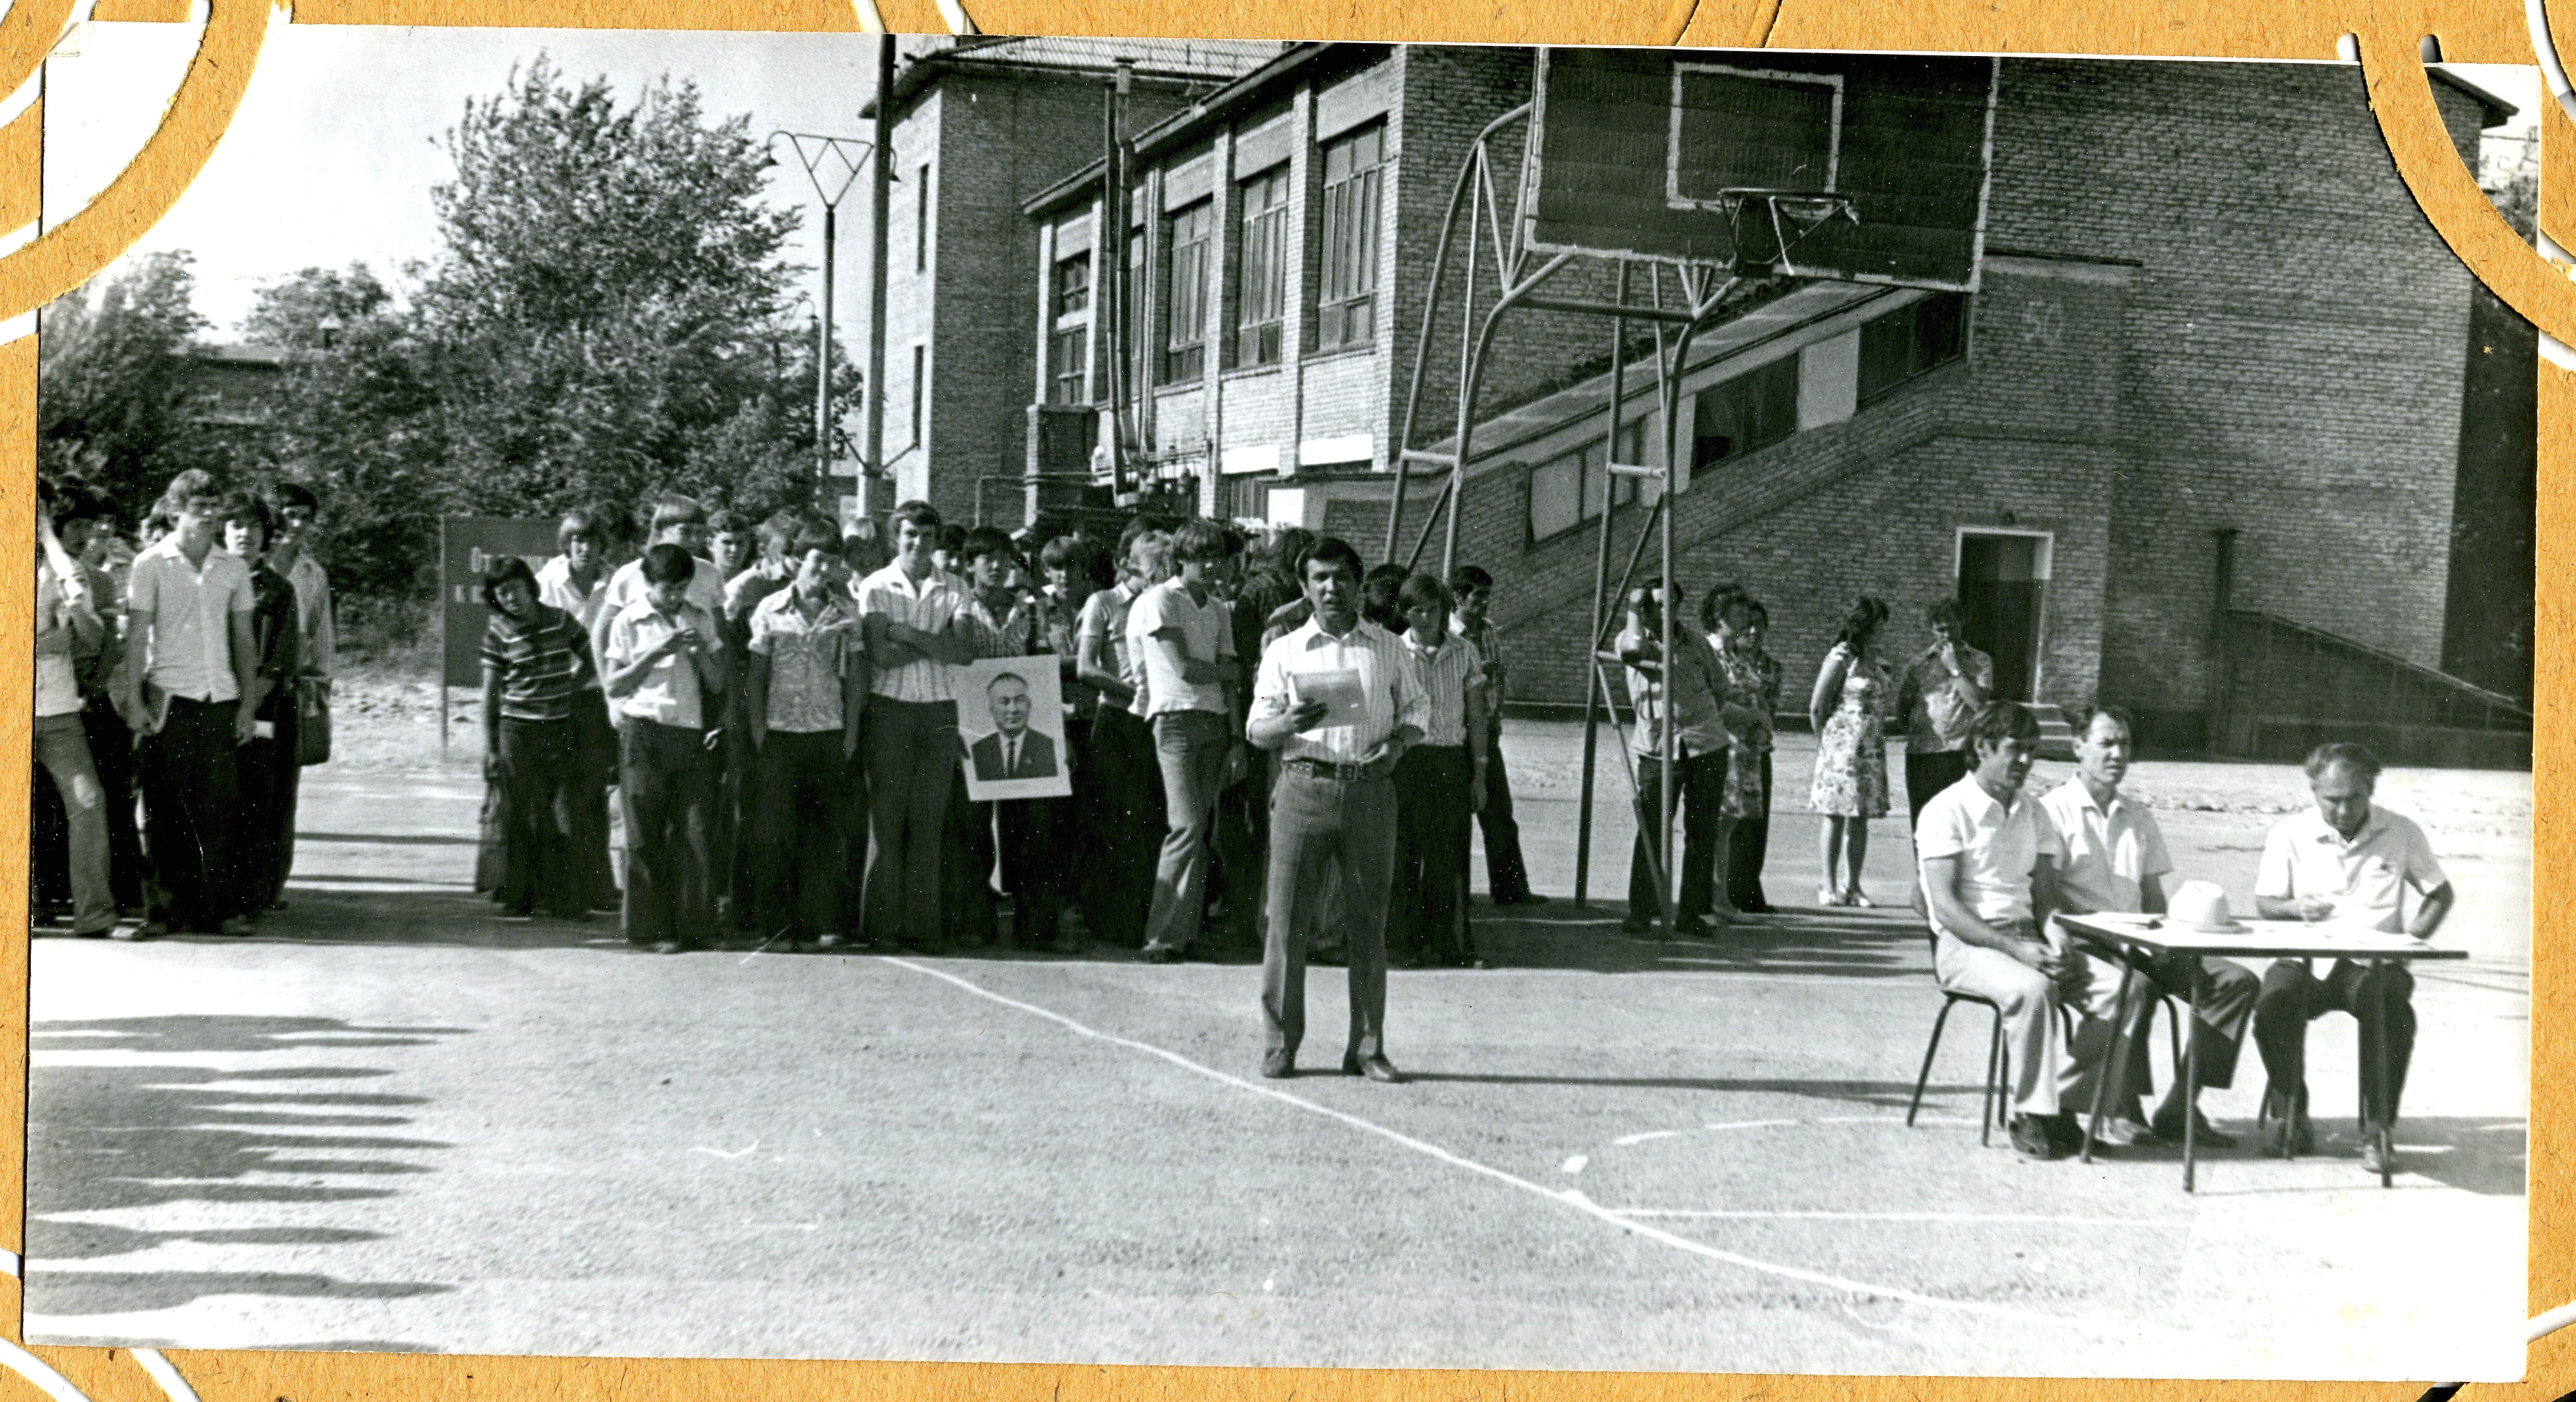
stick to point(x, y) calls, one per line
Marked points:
point(541, 663)
point(1488, 641)
point(807, 658)
point(1449, 673)
point(1390, 688)
point(930, 604)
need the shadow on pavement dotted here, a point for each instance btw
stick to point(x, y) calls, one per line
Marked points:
point(1880, 1094)
point(117, 1138)
point(2487, 1156)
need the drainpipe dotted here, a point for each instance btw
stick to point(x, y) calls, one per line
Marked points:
point(2222, 600)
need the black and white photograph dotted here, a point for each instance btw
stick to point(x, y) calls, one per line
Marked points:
point(1286, 704)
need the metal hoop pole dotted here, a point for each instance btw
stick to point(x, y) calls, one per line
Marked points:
point(1422, 346)
point(1600, 593)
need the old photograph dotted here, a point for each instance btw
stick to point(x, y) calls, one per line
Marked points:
point(1134, 701)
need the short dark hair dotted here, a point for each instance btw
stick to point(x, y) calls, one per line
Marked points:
point(1761, 613)
point(1470, 577)
point(580, 521)
point(1065, 553)
point(246, 509)
point(2357, 758)
point(1999, 721)
point(286, 494)
point(2098, 710)
point(1945, 610)
point(808, 534)
point(726, 522)
point(1330, 549)
point(668, 564)
point(1289, 545)
point(985, 540)
point(195, 484)
point(673, 509)
point(920, 515)
point(1425, 588)
point(1198, 539)
point(502, 570)
point(614, 523)
point(952, 539)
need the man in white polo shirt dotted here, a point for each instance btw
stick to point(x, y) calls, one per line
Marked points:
point(2352, 862)
point(1979, 844)
point(2110, 856)
point(908, 615)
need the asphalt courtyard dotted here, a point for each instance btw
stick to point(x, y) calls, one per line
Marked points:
point(391, 1120)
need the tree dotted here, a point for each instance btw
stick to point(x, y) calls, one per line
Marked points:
point(606, 317)
point(114, 391)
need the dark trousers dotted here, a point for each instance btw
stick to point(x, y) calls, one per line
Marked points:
point(540, 765)
point(1117, 855)
point(800, 823)
point(1314, 820)
point(597, 746)
point(2292, 997)
point(111, 750)
point(968, 916)
point(911, 750)
point(1701, 780)
point(735, 834)
point(665, 790)
point(1506, 877)
point(192, 816)
point(1032, 866)
point(267, 779)
point(1928, 774)
point(1239, 856)
point(2224, 1010)
point(1434, 794)
point(1748, 846)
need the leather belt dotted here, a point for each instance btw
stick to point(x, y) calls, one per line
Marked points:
point(1329, 769)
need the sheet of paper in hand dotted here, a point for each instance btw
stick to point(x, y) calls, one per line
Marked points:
point(1338, 688)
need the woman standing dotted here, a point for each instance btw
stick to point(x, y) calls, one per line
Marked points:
point(576, 583)
point(267, 763)
point(1752, 691)
point(1850, 786)
point(536, 668)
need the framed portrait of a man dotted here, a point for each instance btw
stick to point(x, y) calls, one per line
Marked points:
point(1010, 713)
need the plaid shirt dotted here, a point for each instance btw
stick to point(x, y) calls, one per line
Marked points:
point(541, 663)
point(1020, 631)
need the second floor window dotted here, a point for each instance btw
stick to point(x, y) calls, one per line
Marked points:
point(1185, 303)
point(1073, 286)
point(1346, 303)
point(1069, 340)
point(1261, 277)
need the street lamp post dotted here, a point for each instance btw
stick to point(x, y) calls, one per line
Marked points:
point(832, 164)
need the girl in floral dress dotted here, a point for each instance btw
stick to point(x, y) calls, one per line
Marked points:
point(1850, 788)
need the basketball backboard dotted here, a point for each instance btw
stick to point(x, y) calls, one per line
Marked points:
point(1651, 153)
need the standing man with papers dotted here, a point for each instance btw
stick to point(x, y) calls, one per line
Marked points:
point(1339, 701)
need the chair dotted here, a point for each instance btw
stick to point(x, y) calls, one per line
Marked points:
point(1992, 1107)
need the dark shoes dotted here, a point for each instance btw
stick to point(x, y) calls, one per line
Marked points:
point(1376, 1068)
point(1278, 1065)
point(236, 925)
point(1164, 954)
point(2204, 1135)
point(2035, 1137)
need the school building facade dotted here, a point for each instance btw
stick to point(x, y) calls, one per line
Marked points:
point(2192, 445)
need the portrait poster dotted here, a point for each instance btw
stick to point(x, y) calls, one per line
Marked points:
point(1010, 720)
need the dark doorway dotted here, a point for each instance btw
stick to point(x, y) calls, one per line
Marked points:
point(2002, 579)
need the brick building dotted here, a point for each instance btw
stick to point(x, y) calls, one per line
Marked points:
point(2210, 320)
point(979, 125)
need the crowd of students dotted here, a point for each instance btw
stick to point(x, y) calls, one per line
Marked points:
point(189, 667)
point(773, 706)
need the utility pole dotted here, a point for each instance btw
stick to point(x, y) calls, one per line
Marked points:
point(832, 164)
point(880, 180)
point(1113, 281)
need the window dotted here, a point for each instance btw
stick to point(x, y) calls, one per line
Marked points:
point(920, 380)
point(1912, 340)
point(1754, 410)
point(921, 222)
point(1347, 308)
point(1069, 345)
point(1261, 275)
point(1185, 297)
point(1566, 491)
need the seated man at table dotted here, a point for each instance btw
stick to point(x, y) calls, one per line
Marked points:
point(1979, 844)
point(2110, 857)
point(2349, 861)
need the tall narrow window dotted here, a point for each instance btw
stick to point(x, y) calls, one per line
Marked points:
point(1261, 275)
point(1185, 294)
point(1347, 301)
point(920, 383)
point(1069, 349)
point(921, 221)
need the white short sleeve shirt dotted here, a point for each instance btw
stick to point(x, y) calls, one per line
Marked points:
point(2365, 877)
point(2104, 856)
point(1207, 635)
point(190, 650)
point(1997, 847)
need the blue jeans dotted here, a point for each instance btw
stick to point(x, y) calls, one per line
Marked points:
point(62, 747)
point(1192, 747)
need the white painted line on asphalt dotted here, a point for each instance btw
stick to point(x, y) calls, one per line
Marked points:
point(726, 1154)
point(1568, 1197)
point(1574, 1164)
point(1758, 1214)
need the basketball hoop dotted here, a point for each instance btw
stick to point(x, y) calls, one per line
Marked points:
point(1785, 218)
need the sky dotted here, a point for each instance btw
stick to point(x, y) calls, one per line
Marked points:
point(333, 154)
point(334, 151)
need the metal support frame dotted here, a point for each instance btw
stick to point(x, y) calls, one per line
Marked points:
point(1704, 296)
point(814, 152)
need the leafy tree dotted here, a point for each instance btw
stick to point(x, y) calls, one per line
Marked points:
point(115, 391)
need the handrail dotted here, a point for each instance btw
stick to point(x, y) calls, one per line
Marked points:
point(2432, 675)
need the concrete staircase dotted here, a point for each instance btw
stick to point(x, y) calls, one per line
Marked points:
point(2056, 733)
